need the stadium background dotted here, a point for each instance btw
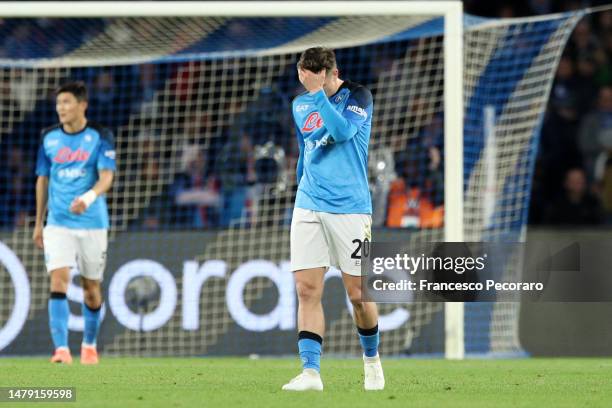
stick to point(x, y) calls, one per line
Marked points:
point(572, 184)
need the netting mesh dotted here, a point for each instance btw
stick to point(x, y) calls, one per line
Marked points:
point(200, 109)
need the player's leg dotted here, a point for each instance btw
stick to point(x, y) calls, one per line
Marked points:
point(58, 315)
point(365, 315)
point(309, 261)
point(311, 321)
point(343, 230)
point(92, 304)
point(92, 261)
point(366, 319)
point(60, 254)
point(311, 328)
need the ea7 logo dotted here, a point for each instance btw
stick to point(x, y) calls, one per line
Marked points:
point(110, 154)
point(358, 110)
point(313, 121)
point(302, 108)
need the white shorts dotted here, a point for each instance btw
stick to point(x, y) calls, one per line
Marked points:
point(320, 239)
point(82, 248)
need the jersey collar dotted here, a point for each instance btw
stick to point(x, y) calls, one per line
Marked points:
point(74, 133)
point(344, 85)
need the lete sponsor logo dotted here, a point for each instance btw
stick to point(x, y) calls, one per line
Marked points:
point(66, 155)
point(188, 295)
point(313, 121)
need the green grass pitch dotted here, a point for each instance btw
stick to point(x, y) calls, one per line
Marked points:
point(240, 382)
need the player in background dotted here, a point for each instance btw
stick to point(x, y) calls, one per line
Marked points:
point(332, 209)
point(75, 166)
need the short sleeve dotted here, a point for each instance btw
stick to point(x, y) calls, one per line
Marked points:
point(43, 164)
point(106, 154)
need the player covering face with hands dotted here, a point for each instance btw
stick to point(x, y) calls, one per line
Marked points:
point(332, 211)
point(75, 167)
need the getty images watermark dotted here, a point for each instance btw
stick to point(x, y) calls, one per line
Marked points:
point(555, 271)
point(459, 265)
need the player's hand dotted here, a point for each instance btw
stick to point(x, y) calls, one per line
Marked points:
point(312, 81)
point(78, 206)
point(37, 236)
point(82, 202)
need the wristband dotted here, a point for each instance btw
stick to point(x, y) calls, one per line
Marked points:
point(88, 198)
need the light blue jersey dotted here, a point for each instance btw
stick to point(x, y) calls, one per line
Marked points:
point(333, 134)
point(71, 161)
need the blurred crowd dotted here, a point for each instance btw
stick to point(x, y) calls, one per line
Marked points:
point(234, 152)
point(572, 183)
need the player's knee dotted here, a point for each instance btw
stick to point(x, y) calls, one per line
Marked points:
point(307, 292)
point(59, 281)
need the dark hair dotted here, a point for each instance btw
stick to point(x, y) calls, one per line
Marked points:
point(317, 58)
point(77, 88)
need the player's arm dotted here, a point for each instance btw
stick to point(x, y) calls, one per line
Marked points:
point(43, 169)
point(42, 197)
point(343, 126)
point(104, 183)
point(106, 169)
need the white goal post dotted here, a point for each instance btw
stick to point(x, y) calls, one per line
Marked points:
point(452, 11)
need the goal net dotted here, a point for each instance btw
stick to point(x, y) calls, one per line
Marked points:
point(206, 152)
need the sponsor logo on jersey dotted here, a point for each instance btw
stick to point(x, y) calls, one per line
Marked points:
point(66, 155)
point(71, 173)
point(302, 108)
point(358, 110)
point(110, 154)
point(324, 141)
point(313, 121)
point(52, 142)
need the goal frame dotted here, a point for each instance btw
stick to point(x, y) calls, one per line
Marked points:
point(452, 11)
